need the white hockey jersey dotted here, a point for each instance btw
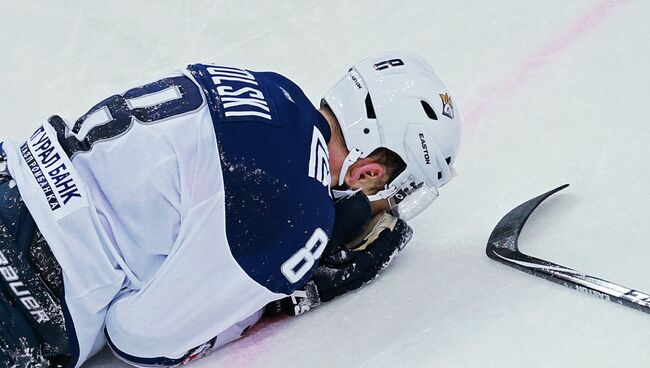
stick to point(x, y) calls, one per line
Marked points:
point(179, 208)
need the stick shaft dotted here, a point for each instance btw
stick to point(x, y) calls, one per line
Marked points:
point(503, 247)
point(594, 286)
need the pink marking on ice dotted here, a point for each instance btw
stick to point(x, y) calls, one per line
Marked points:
point(499, 92)
point(252, 347)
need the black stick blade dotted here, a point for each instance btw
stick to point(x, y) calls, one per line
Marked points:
point(502, 247)
point(506, 233)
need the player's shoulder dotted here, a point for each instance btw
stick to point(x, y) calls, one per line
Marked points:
point(238, 95)
point(285, 135)
point(284, 89)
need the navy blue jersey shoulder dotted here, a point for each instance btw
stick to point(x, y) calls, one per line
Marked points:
point(272, 143)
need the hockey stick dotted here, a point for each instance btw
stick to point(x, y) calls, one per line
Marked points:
point(502, 246)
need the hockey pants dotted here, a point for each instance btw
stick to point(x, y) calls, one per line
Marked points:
point(32, 328)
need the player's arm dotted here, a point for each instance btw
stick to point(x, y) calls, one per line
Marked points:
point(361, 247)
point(198, 293)
point(232, 333)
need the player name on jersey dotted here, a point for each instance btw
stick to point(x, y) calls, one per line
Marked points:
point(239, 98)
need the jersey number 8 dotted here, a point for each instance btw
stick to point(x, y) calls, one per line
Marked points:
point(149, 104)
point(296, 267)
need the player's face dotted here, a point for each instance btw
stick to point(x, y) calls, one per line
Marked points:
point(380, 206)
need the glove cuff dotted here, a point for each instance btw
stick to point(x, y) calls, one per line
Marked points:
point(299, 302)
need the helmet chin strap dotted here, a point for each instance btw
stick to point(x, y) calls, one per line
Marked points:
point(344, 193)
point(384, 194)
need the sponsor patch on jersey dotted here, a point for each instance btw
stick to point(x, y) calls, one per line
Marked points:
point(53, 172)
point(447, 106)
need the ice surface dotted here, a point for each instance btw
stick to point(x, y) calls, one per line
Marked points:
point(552, 92)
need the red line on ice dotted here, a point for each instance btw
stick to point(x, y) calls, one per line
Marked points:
point(497, 93)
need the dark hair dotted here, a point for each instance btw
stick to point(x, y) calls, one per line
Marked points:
point(391, 160)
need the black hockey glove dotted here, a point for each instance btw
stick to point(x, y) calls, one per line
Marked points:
point(349, 266)
point(301, 301)
point(360, 262)
point(352, 215)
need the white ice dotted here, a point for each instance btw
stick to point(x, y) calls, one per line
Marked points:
point(551, 91)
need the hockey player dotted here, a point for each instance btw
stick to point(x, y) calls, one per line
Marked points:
point(165, 220)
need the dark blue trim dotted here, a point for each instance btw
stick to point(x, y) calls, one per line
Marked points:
point(158, 361)
point(73, 341)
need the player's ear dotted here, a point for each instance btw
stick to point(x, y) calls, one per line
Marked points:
point(365, 174)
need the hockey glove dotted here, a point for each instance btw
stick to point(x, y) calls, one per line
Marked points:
point(352, 215)
point(349, 266)
point(360, 261)
point(300, 301)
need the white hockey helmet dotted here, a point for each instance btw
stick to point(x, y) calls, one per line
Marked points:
point(395, 100)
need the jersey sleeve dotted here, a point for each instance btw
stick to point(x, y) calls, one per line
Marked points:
point(199, 292)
